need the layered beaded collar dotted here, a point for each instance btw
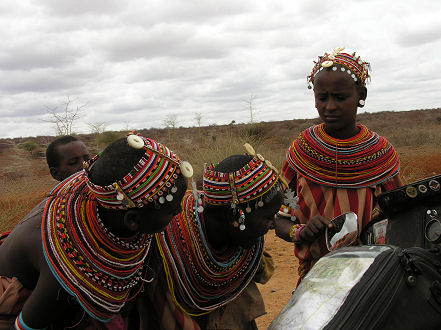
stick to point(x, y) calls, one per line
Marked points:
point(102, 271)
point(199, 279)
point(365, 160)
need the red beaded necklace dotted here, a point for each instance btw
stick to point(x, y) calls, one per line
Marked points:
point(101, 270)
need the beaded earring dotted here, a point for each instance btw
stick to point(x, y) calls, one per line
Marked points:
point(240, 222)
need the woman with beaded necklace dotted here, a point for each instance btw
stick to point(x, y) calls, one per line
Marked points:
point(337, 166)
point(88, 240)
point(212, 251)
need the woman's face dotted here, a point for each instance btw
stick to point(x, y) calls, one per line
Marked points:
point(336, 99)
point(257, 223)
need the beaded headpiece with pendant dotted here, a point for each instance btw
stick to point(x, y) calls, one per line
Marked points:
point(247, 185)
point(350, 63)
point(152, 179)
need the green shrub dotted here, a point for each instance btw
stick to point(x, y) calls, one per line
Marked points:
point(30, 146)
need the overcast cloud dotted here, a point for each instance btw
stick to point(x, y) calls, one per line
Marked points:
point(132, 63)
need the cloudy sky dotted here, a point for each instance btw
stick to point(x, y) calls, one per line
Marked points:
point(132, 64)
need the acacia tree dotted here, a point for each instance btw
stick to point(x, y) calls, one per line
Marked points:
point(250, 105)
point(64, 118)
point(170, 122)
point(98, 128)
point(198, 118)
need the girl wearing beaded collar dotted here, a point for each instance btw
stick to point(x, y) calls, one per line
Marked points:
point(337, 166)
point(212, 250)
point(89, 239)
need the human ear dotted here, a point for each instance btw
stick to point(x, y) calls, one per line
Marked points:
point(55, 174)
point(131, 220)
point(363, 96)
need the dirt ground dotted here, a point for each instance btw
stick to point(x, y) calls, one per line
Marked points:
point(277, 292)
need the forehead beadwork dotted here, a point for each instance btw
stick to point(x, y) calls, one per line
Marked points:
point(249, 183)
point(353, 65)
point(152, 179)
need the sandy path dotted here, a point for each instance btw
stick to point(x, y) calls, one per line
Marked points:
point(277, 292)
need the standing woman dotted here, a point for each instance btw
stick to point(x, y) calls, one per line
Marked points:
point(338, 165)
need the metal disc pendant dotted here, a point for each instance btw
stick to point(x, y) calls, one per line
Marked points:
point(169, 197)
point(200, 209)
point(260, 203)
point(248, 209)
point(174, 189)
point(161, 200)
point(242, 227)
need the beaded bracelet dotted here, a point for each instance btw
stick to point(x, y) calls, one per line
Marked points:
point(294, 233)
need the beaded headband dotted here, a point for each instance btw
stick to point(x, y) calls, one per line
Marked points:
point(354, 66)
point(250, 182)
point(150, 181)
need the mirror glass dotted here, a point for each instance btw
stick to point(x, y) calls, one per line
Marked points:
point(344, 231)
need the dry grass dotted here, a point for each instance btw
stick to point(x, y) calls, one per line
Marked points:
point(24, 180)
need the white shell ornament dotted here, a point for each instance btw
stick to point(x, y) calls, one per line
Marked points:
point(250, 150)
point(242, 227)
point(331, 57)
point(186, 169)
point(327, 64)
point(135, 141)
point(260, 157)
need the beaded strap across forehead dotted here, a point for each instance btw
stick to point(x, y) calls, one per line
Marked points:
point(352, 64)
point(148, 181)
point(248, 183)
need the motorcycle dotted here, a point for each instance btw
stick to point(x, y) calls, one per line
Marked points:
point(391, 280)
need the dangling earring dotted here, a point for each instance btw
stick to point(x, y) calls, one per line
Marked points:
point(361, 102)
point(241, 220)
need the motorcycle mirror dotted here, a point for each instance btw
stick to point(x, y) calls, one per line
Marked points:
point(344, 231)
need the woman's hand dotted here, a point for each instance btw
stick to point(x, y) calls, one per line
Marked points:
point(314, 228)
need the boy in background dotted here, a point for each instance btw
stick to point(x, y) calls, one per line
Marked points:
point(65, 156)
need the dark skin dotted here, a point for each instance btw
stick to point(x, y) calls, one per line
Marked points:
point(21, 255)
point(337, 98)
point(220, 229)
point(70, 159)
